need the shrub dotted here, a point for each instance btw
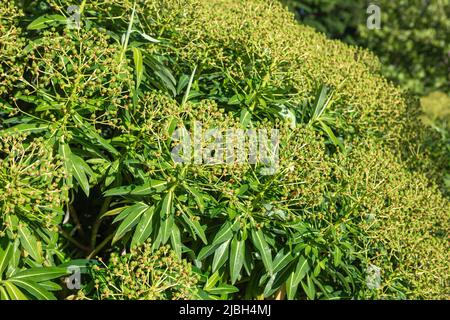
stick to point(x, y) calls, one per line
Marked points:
point(436, 107)
point(337, 19)
point(413, 42)
point(144, 275)
point(105, 106)
point(407, 222)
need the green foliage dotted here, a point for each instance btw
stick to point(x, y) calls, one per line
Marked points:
point(143, 274)
point(412, 44)
point(436, 108)
point(87, 118)
point(407, 222)
point(337, 19)
point(414, 49)
point(19, 283)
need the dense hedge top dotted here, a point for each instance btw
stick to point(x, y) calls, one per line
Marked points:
point(342, 200)
point(265, 42)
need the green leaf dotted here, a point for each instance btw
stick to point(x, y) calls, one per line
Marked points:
point(50, 286)
point(144, 227)
point(280, 261)
point(337, 255)
point(235, 100)
point(321, 102)
point(309, 288)
point(26, 128)
point(78, 172)
point(64, 152)
point(175, 238)
point(223, 289)
point(34, 289)
point(147, 37)
point(263, 248)
point(3, 294)
point(211, 281)
point(139, 65)
point(182, 83)
point(162, 72)
point(237, 256)
point(193, 224)
point(268, 289)
point(206, 251)
point(15, 258)
point(291, 286)
point(112, 172)
point(225, 233)
point(331, 135)
point(220, 256)
point(92, 134)
point(40, 274)
point(46, 21)
point(198, 197)
point(188, 89)
point(143, 190)
point(127, 210)
point(246, 117)
point(29, 243)
point(113, 212)
point(166, 215)
point(130, 221)
point(14, 292)
point(301, 269)
point(5, 256)
point(83, 265)
point(167, 204)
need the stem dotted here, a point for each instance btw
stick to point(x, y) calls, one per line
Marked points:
point(75, 242)
point(73, 214)
point(100, 246)
point(127, 35)
point(98, 222)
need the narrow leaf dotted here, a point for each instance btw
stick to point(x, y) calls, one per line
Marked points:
point(78, 172)
point(237, 256)
point(40, 274)
point(291, 286)
point(220, 256)
point(14, 292)
point(34, 289)
point(146, 189)
point(139, 65)
point(29, 242)
point(188, 89)
point(144, 227)
point(309, 288)
point(301, 270)
point(175, 238)
point(225, 233)
point(5, 256)
point(130, 221)
point(46, 21)
point(263, 248)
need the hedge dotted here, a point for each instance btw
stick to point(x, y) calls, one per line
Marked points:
point(86, 139)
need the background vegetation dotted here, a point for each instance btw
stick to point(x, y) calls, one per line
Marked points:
point(87, 179)
point(412, 46)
